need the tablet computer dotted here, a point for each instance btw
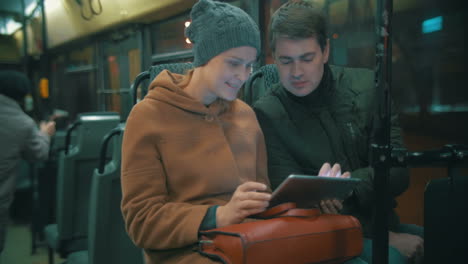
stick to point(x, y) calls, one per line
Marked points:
point(307, 190)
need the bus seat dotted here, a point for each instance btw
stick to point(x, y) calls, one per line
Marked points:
point(44, 200)
point(180, 68)
point(75, 169)
point(259, 83)
point(77, 257)
point(445, 218)
point(108, 241)
point(153, 71)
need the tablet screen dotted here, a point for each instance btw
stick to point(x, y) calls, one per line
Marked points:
point(307, 190)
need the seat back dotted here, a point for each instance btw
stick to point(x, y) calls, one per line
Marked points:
point(44, 200)
point(259, 83)
point(153, 71)
point(59, 139)
point(108, 241)
point(445, 218)
point(75, 168)
point(180, 68)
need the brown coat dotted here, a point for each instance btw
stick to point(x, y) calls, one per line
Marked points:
point(178, 159)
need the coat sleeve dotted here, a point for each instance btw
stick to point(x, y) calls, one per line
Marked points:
point(398, 180)
point(399, 177)
point(280, 162)
point(365, 191)
point(37, 144)
point(262, 164)
point(152, 221)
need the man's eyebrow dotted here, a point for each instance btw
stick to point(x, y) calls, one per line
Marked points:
point(302, 56)
point(308, 54)
point(285, 57)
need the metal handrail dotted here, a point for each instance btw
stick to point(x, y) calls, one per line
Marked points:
point(134, 87)
point(105, 141)
point(68, 135)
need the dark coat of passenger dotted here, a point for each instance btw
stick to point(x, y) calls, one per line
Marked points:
point(332, 124)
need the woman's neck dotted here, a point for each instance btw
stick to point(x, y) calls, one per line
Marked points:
point(197, 89)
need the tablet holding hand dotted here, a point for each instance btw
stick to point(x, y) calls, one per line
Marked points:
point(310, 190)
point(332, 206)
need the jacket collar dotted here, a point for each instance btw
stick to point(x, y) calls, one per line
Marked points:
point(169, 88)
point(321, 97)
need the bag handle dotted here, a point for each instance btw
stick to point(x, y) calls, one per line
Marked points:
point(286, 209)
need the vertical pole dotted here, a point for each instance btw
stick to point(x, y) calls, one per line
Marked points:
point(255, 10)
point(45, 67)
point(381, 148)
point(25, 40)
point(44, 27)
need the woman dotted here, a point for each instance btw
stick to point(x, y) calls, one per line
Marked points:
point(190, 145)
point(193, 156)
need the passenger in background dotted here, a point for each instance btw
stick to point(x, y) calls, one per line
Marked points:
point(318, 113)
point(20, 138)
point(193, 156)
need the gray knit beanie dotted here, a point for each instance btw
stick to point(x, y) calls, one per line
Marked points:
point(217, 27)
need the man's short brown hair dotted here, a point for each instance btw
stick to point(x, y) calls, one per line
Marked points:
point(298, 19)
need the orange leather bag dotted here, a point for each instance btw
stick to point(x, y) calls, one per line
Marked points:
point(286, 235)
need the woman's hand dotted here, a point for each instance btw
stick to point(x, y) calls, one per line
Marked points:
point(248, 199)
point(332, 206)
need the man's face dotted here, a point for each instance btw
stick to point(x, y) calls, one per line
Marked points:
point(300, 63)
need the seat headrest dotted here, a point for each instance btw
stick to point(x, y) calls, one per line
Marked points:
point(259, 83)
point(270, 74)
point(179, 68)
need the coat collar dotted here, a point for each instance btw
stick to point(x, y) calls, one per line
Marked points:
point(7, 101)
point(169, 88)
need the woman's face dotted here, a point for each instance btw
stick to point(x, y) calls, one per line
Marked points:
point(225, 73)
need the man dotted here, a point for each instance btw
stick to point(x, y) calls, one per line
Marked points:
point(321, 113)
point(19, 138)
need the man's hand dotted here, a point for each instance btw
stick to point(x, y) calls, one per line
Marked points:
point(248, 199)
point(332, 206)
point(410, 246)
point(335, 171)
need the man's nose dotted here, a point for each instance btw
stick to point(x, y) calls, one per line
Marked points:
point(296, 70)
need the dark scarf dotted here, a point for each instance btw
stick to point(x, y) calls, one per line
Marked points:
point(320, 104)
point(321, 97)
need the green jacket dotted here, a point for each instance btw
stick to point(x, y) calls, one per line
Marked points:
point(332, 124)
